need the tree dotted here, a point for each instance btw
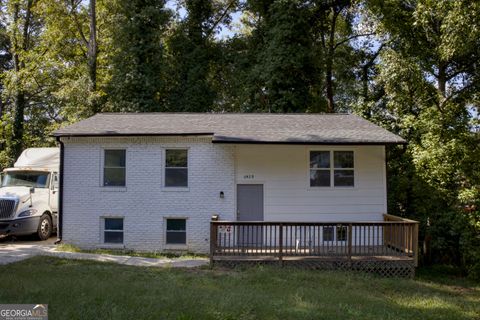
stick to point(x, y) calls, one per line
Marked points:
point(5, 59)
point(192, 55)
point(430, 78)
point(282, 66)
point(138, 59)
point(22, 29)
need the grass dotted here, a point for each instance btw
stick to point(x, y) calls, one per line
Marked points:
point(122, 252)
point(77, 289)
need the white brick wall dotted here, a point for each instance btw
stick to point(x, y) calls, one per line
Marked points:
point(144, 202)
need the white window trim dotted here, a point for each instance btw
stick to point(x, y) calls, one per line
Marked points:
point(102, 170)
point(104, 244)
point(332, 170)
point(164, 167)
point(175, 246)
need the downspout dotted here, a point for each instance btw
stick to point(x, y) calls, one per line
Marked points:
point(60, 193)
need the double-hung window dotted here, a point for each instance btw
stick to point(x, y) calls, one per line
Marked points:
point(176, 231)
point(114, 168)
point(320, 169)
point(113, 230)
point(343, 173)
point(332, 168)
point(176, 168)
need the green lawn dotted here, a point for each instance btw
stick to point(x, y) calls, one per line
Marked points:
point(90, 290)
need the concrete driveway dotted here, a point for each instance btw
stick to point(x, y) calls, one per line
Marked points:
point(14, 249)
point(17, 249)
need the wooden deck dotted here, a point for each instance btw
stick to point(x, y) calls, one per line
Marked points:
point(393, 241)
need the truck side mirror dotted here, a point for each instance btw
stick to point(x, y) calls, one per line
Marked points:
point(55, 182)
point(32, 190)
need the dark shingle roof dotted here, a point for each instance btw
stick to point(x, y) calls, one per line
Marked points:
point(238, 127)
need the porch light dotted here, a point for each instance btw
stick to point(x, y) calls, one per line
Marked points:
point(222, 195)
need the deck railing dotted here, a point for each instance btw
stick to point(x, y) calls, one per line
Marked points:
point(395, 238)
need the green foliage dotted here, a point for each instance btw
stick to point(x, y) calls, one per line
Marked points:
point(284, 67)
point(429, 93)
point(410, 66)
point(191, 53)
point(138, 57)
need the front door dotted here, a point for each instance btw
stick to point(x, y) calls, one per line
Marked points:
point(250, 208)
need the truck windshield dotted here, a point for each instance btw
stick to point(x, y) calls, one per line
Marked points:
point(36, 179)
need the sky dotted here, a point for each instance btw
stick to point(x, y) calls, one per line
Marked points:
point(223, 32)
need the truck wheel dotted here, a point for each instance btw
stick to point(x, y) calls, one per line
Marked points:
point(44, 227)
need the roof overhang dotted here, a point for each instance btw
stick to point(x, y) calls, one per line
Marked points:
point(324, 143)
point(230, 140)
point(108, 134)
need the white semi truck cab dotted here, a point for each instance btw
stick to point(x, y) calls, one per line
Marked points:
point(29, 194)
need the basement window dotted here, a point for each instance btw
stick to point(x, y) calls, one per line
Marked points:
point(176, 231)
point(113, 230)
point(328, 234)
point(334, 233)
point(341, 233)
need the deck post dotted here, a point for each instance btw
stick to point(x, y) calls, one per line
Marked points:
point(280, 245)
point(415, 244)
point(350, 244)
point(213, 240)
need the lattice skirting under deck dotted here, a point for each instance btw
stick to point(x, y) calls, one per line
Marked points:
point(384, 268)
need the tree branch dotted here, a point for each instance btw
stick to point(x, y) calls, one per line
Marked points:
point(351, 38)
point(222, 16)
point(455, 94)
point(73, 13)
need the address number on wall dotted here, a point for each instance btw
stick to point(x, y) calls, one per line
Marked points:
point(249, 176)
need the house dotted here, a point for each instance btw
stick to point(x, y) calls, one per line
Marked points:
point(153, 181)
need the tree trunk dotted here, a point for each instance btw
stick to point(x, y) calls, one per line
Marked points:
point(1, 105)
point(365, 78)
point(19, 101)
point(18, 124)
point(329, 63)
point(442, 84)
point(366, 110)
point(92, 51)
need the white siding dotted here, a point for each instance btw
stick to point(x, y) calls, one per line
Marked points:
point(284, 171)
point(144, 203)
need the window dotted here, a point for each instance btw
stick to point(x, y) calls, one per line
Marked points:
point(343, 169)
point(176, 231)
point(35, 179)
point(113, 230)
point(114, 168)
point(327, 168)
point(320, 168)
point(176, 168)
point(341, 233)
point(328, 234)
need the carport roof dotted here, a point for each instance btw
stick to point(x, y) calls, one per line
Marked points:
point(293, 128)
